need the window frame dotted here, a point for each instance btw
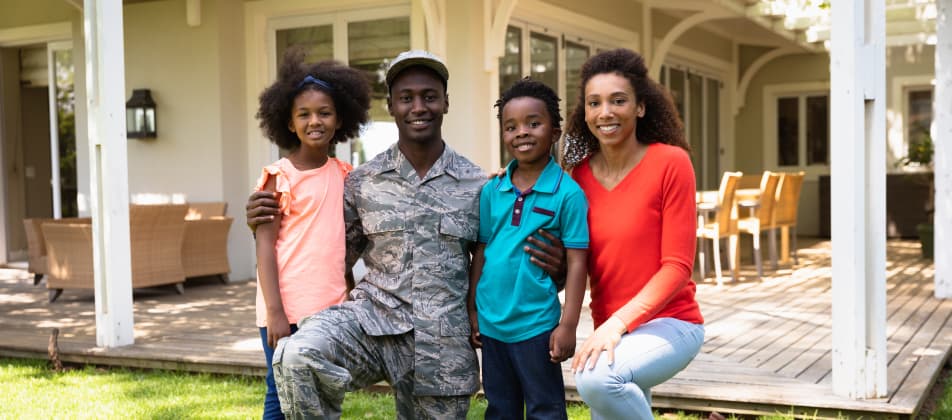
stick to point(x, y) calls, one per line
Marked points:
point(801, 91)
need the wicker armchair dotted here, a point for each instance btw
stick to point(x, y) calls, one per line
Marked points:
point(205, 249)
point(36, 244)
point(156, 234)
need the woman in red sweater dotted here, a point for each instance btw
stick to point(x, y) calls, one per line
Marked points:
point(626, 148)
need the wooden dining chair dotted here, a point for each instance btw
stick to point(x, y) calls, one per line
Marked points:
point(717, 221)
point(758, 216)
point(785, 215)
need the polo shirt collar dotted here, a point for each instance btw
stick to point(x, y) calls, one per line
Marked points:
point(548, 182)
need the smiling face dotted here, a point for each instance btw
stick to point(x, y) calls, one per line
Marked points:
point(417, 103)
point(611, 108)
point(527, 130)
point(314, 119)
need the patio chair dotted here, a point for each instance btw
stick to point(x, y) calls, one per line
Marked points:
point(760, 217)
point(717, 221)
point(785, 214)
point(36, 244)
point(155, 235)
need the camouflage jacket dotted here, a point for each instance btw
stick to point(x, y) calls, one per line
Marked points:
point(415, 236)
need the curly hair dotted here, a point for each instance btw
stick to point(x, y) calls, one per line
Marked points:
point(660, 124)
point(526, 87)
point(348, 88)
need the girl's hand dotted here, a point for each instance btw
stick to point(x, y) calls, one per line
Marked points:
point(561, 344)
point(605, 338)
point(278, 328)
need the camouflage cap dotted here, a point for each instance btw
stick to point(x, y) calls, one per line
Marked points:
point(412, 58)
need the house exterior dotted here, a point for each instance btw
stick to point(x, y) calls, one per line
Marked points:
point(751, 78)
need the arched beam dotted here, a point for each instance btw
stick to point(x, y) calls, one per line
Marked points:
point(674, 34)
point(497, 23)
point(434, 14)
point(752, 71)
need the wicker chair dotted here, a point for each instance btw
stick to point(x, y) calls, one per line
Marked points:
point(156, 233)
point(205, 249)
point(36, 244)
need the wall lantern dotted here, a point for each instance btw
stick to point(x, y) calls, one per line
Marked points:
point(140, 115)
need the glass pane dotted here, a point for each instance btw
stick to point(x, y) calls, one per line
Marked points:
point(818, 130)
point(510, 71)
point(712, 138)
point(677, 89)
point(510, 64)
point(370, 47)
point(695, 119)
point(788, 124)
point(543, 58)
point(66, 122)
point(920, 118)
point(575, 56)
point(318, 41)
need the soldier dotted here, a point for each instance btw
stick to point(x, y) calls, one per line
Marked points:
point(412, 213)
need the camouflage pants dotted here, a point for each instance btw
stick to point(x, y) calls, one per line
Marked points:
point(331, 354)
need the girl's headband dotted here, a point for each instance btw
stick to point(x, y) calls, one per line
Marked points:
point(313, 80)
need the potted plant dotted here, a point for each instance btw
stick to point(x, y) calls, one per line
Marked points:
point(920, 155)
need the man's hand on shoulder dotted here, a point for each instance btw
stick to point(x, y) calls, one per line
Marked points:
point(261, 208)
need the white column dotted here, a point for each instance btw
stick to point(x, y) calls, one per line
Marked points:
point(109, 186)
point(942, 141)
point(858, 177)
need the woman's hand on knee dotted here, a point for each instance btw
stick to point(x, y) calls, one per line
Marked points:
point(605, 338)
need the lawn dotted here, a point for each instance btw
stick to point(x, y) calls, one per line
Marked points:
point(29, 389)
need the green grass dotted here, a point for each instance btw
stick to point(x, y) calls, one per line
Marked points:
point(28, 389)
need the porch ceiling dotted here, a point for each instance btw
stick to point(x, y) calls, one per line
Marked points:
point(802, 23)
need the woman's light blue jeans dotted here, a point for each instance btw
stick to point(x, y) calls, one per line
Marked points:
point(645, 357)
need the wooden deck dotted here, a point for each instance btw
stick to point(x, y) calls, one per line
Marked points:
point(767, 348)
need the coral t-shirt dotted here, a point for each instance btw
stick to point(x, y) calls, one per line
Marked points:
point(310, 246)
point(642, 240)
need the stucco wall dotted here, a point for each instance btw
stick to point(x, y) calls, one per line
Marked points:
point(178, 63)
point(623, 13)
point(17, 13)
point(697, 39)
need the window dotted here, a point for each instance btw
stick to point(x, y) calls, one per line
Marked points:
point(547, 56)
point(697, 96)
point(802, 130)
point(919, 115)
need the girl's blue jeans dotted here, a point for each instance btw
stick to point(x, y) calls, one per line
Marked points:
point(272, 407)
point(645, 357)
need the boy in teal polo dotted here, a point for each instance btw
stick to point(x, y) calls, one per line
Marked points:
point(513, 304)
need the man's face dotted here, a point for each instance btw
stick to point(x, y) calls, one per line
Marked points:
point(417, 103)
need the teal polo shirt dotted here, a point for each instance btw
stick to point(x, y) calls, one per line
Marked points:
point(515, 299)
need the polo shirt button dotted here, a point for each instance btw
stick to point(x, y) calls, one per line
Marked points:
point(519, 199)
point(518, 211)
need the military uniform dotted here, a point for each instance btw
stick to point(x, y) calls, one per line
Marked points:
point(406, 322)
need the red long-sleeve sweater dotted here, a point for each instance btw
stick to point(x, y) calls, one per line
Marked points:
point(642, 240)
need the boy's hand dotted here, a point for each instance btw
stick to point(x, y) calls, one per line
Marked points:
point(561, 344)
point(261, 208)
point(474, 338)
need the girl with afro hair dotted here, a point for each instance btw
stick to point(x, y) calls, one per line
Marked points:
point(306, 111)
point(627, 148)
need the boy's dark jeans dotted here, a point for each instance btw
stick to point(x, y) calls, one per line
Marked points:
point(517, 375)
